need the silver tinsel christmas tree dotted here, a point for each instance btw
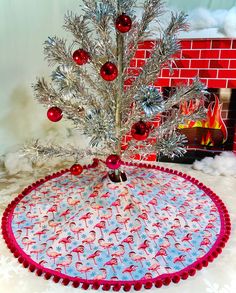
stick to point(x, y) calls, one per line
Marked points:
point(88, 83)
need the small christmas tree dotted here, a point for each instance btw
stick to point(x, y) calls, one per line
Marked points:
point(88, 84)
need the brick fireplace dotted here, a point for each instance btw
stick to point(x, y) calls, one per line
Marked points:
point(214, 61)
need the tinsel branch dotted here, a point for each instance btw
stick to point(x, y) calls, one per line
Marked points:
point(101, 15)
point(152, 10)
point(160, 56)
point(56, 52)
point(82, 28)
point(174, 119)
point(185, 93)
point(48, 96)
point(36, 151)
point(172, 144)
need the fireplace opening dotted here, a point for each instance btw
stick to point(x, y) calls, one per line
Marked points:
point(212, 135)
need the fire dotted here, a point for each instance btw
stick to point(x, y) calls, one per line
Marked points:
point(207, 140)
point(213, 120)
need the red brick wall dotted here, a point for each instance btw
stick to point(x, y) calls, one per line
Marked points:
point(213, 60)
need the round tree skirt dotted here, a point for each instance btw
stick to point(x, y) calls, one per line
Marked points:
point(158, 227)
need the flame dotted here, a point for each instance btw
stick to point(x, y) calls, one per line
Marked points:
point(214, 119)
point(207, 140)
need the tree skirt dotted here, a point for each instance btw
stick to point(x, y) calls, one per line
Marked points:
point(158, 227)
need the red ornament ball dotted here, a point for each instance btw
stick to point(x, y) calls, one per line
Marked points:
point(81, 57)
point(54, 114)
point(123, 23)
point(109, 71)
point(140, 131)
point(76, 169)
point(113, 162)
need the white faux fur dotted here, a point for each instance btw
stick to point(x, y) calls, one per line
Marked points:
point(223, 164)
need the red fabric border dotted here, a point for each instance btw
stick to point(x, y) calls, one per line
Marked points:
point(158, 282)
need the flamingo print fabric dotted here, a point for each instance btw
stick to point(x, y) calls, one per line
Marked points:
point(87, 227)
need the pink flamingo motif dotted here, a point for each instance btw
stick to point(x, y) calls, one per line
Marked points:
point(96, 207)
point(144, 217)
point(197, 220)
point(114, 232)
point(101, 225)
point(129, 208)
point(210, 226)
point(41, 232)
point(129, 270)
point(90, 239)
point(83, 269)
point(152, 236)
point(76, 230)
point(166, 243)
point(187, 238)
point(180, 259)
point(158, 225)
point(102, 276)
point(183, 249)
point(119, 253)
point(205, 242)
point(54, 237)
point(94, 194)
point(106, 245)
point(66, 263)
point(52, 210)
point(66, 241)
point(30, 216)
point(144, 246)
point(18, 223)
point(202, 252)
point(162, 253)
point(176, 224)
point(41, 222)
point(18, 233)
point(180, 214)
point(137, 228)
point(27, 228)
point(107, 216)
point(172, 234)
point(155, 267)
point(167, 209)
point(122, 220)
point(116, 204)
point(79, 249)
point(94, 255)
point(27, 242)
point(124, 193)
point(72, 202)
point(113, 262)
point(53, 224)
point(163, 219)
point(52, 254)
point(129, 240)
point(106, 195)
point(65, 213)
point(137, 258)
point(19, 211)
point(85, 218)
point(154, 203)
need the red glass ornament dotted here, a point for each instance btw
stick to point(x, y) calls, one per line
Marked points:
point(123, 23)
point(76, 169)
point(140, 130)
point(81, 57)
point(54, 114)
point(109, 71)
point(113, 162)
